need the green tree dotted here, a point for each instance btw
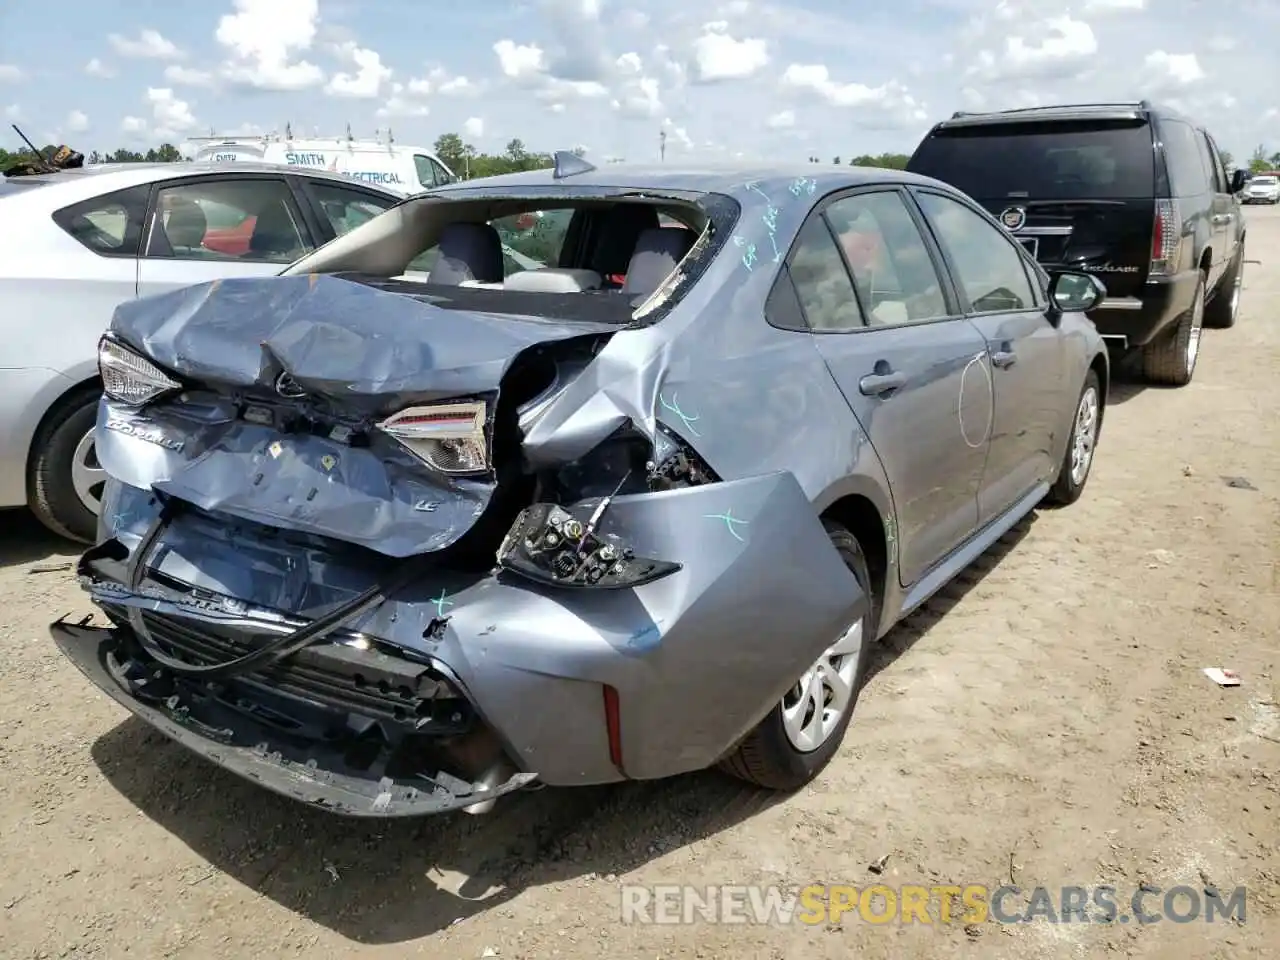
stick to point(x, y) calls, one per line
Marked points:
point(890, 161)
point(1258, 161)
point(450, 148)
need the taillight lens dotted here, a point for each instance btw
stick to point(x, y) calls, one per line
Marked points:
point(1166, 238)
point(448, 437)
point(130, 378)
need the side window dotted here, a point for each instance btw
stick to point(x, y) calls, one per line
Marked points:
point(1184, 159)
point(822, 282)
point(991, 269)
point(439, 172)
point(239, 219)
point(1220, 171)
point(426, 171)
point(347, 209)
point(111, 224)
point(894, 274)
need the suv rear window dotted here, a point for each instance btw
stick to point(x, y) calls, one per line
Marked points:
point(1102, 160)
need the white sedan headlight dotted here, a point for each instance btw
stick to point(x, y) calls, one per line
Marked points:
point(130, 378)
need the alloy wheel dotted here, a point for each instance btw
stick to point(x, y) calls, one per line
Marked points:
point(1085, 436)
point(87, 475)
point(1193, 339)
point(813, 708)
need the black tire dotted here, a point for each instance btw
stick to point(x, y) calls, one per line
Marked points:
point(1066, 490)
point(1165, 360)
point(766, 757)
point(50, 492)
point(1220, 313)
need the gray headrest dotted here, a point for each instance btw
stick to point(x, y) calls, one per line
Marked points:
point(657, 252)
point(186, 224)
point(468, 251)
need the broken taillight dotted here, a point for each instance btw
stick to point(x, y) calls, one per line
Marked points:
point(448, 437)
point(1166, 238)
point(129, 377)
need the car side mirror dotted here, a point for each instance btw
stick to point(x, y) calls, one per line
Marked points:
point(1239, 177)
point(1076, 292)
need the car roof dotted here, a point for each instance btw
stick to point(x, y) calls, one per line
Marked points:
point(1062, 112)
point(726, 178)
point(117, 176)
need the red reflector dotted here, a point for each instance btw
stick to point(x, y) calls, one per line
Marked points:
point(613, 722)
point(1157, 237)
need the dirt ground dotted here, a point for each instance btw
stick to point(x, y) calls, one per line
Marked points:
point(1047, 718)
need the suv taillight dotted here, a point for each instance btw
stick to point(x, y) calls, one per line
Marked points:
point(1166, 238)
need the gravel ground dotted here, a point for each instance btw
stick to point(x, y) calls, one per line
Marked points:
point(1047, 718)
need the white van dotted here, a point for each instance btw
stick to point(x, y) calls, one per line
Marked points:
point(392, 166)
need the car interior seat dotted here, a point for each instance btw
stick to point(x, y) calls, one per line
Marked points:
point(468, 252)
point(657, 252)
point(275, 236)
point(620, 231)
point(185, 228)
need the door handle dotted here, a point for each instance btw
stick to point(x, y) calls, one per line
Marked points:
point(878, 384)
point(1004, 359)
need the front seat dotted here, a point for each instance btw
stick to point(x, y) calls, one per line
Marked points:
point(656, 254)
point(468, 251)
point(185, 228)
point(275, 235)
point(620, 231)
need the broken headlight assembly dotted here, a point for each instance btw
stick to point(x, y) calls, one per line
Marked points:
point(448, 437)
point(130, 378)
point(549, 545)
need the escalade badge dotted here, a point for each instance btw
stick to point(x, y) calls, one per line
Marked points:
point(1014, 218)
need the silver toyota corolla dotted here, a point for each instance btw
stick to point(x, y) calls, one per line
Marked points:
point(402, 529)
point(75, 244)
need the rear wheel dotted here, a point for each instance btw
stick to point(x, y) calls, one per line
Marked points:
point(1221, 312)
point(65, 480)
point(1078, 460)
point(802, 732)
point(1171, 358)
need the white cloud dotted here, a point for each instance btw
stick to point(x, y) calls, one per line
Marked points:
point(782, 120)
point(474, 127)
point(1168, 71)
point(719, 56)
point(1222, 44)
point(9, 73)
point(1114, 6)
point(676, 133)
point(263, 36)
point(77, 122)
point(96, 68)
point(402, 103)
point(149, 45)
point(890, 100)
point(188, 76)
point(171, 118)
point(367, 81)
point(13, 112)
point(520, 61)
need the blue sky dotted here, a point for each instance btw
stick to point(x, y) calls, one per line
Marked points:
point(744, 78)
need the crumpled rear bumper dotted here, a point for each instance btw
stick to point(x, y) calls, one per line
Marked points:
point(312, 773)
point(686, 665)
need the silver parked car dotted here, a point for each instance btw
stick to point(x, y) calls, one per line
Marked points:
point(76, 243)
point(402, 530)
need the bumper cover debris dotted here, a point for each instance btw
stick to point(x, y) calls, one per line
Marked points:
point(313, 772)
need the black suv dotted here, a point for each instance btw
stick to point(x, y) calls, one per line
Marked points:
point(1131, 192)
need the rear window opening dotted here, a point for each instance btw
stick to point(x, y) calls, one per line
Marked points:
point(613, 259)
point(1076, 160)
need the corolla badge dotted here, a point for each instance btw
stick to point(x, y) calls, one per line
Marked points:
point(1014, 218)
point(286, 386)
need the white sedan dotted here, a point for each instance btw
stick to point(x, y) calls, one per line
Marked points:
point(1262, 189)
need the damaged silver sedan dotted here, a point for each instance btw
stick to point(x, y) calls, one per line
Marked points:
point(414, 525)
